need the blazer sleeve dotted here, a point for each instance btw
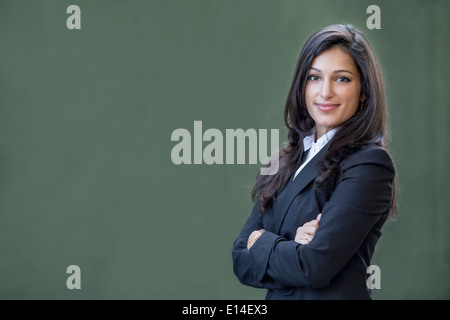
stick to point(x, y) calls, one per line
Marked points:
point(361, 197)
point(243, 265)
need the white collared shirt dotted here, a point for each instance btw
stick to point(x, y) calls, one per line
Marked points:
point(308, 143)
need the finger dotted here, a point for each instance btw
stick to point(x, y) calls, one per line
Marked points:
point(303, 235)
point(304, 238)
point(319, 216)
point(300, 240)
point(314, 223)
point(302, 232)
point(311, 230)
point(305, 229)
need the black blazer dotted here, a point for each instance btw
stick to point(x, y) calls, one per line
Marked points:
point(334, 264)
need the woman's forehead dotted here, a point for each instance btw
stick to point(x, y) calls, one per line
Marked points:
point(335, 59)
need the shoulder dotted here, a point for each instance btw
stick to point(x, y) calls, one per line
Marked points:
point(371, 154)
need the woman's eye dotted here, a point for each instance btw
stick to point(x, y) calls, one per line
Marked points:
point(343, 79)
point(313, 78)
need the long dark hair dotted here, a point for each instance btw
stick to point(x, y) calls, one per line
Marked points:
point(367, 125)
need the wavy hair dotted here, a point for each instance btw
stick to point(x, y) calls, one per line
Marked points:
point(366, 126)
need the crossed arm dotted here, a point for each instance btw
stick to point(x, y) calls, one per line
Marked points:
point(304, 234)
point(362, 196)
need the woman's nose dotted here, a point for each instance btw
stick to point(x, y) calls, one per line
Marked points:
point(326, 91)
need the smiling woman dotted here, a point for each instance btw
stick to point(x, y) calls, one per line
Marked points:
point(333, 89)
point(315, 223)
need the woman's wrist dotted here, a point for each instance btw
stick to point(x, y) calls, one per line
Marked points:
point(253, 237)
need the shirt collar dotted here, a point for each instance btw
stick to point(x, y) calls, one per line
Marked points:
point(308, 141)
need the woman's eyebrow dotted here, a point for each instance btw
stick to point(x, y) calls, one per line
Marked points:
point(335, 71)
point(342, 70)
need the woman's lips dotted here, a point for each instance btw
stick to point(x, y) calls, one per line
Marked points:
point(327, 106)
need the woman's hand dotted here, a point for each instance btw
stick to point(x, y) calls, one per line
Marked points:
point(306, 232)
point(253, 237)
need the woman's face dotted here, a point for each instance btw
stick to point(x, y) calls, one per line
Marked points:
point(332, 89)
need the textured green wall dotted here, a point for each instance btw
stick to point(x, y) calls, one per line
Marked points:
point(86, 118)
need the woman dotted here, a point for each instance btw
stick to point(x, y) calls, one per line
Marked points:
point(315, 223)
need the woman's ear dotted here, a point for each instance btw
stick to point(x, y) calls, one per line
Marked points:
point(363, 97)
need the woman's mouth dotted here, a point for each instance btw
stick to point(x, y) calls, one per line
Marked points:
point(327, 106)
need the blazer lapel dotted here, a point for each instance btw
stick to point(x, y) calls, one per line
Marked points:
point(303, 179)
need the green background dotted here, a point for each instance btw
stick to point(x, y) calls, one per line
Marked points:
point(86, 118)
